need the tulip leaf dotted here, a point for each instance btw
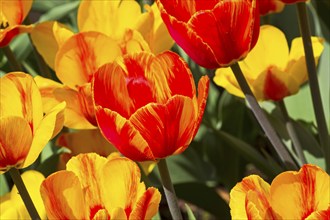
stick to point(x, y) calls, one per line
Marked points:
point(4, 188)
point(204, 197)
point(59, 11)
point(190, 213)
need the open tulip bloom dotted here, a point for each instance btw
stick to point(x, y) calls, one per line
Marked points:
point(160, 101)
point(12, 15)
point(272, 71)
point(93, 187)
point(292, 195)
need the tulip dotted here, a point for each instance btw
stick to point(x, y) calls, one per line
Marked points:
point(24, 129)
point(272, 72)
point(270, 6)
point(93, 187)
point(292, 195)
point(11, 204)
point(213, 33)
point(12, 15)
point(142, 96)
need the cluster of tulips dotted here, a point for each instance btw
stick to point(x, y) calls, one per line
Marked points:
point(126, 103)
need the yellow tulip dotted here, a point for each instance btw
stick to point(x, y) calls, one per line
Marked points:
point(270, 69)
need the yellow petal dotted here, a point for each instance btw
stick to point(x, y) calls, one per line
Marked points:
point(48, 37)
point(133, 42)
point(147, 205)
point(266, 53)
point(120, 184)
point(225, 78)
point(81, 55)
point(320, 215)
point(63, 196)
point(14, 11)
point(87, 168)
point(15, 142)
point(19, 96)
point(238, 196)
point(295, 195)
point(118, 213)
point(296, 66)
point(86, 141)
point(32, 180)
point(8, 208)
point(50, 126)
point(109, 17)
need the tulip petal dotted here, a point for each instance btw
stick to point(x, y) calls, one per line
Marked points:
point(14, 11)
point(49, 127)
point(48, 37)
point(86, 141)
point(225, 78)
point(86, 167)
point(63, 196)
point(122, 134)
point(19, 96)
point(81, 55)
point(173, 124)
point(147, 205)
point(109, 17)
point(15, 142)
point(270, 6)
point(10, 33)
point(305, 189)
point(32, 181)
point(258, 208)
point(203, 91)
point(8, 208)
point(320, 215)
point(239, 193)
point(121, 179)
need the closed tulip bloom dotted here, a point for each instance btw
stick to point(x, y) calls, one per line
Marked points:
point(146, 105)
point(270, 6)
point(292, 195)
point(272, 71)
point(93, 187)
point(24, 129)
point(12, 15)
point(213, 33)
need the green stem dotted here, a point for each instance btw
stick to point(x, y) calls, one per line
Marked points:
point(263, 121)
point(169, 190)
point(313, 82)
point(292, 133)
point(16, 176)
point(13, 62)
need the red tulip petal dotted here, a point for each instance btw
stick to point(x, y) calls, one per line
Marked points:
point(123, 135)
point(173, 125)
point(15, 142)
point(228, 31)
point(181, 10)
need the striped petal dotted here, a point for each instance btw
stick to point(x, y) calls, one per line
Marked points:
point(15, 142)
point(173, 124)
point(63, 196)
point(320, 215)
point(19, 96)
point(305, 190)
point(240, 207)
point(81, 55)
point(48, 37)
point(122, 134)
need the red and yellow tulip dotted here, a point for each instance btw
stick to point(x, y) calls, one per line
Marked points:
point(213, 33)
point(24, 129)
point(270, 6)
point(142, 96)
point(11, 204)
point(93, 187)
point(270, 69)
point(292, 195)
point(12, 15)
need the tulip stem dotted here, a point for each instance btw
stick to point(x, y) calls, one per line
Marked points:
point(169, 190)
point(280, 149)
point(12, 61)
point(16, 176)
point(292, 133)
point(313, 82)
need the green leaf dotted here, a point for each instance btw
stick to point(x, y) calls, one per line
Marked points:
point(190, 214)
point(4, 188)
point(59, 11)
point(204, 197)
